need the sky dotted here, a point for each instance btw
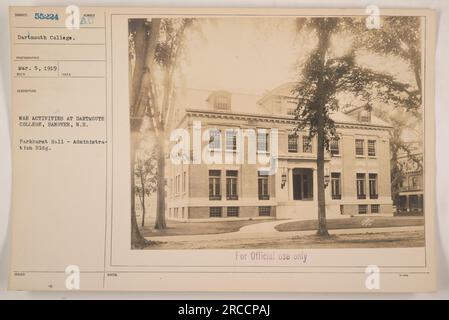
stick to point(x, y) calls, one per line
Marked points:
point(253, 55)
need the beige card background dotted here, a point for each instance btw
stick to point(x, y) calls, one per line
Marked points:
point(71, 205)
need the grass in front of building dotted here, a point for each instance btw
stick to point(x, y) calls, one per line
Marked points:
point(395, 239)
point(176, 228)
point(353, 223)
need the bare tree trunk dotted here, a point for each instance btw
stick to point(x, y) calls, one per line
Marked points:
point(323, 45)
point(137, 240)
point(160, 210)
point(145, 46)
point(142, 199)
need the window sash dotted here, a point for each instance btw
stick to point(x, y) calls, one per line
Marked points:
point(292, 143)
point(373, 185)
point(264, 211)
point(361, 191)
point(372, 148)
point(215, 212)
point(306, 144)
point(359, 147)
point(231, 140)
point(334, 147)
point(263, 188)
point(262, 141)
point(214, 139)
point(336, 185)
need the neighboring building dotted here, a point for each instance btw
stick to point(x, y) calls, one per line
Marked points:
point(357, 167)
point(411, 190)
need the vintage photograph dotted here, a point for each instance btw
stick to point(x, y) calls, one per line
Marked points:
point(276, 132)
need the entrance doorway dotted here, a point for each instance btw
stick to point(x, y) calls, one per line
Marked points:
point(302, 184)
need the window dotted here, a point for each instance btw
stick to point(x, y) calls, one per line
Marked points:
point(184, 181)
point(359, 147)
point(263, 185)
point(292, 143)
point(291, 111)
point(336, 185)
point(231, 184)
point(372, 177)
point(231, 140)
point(214, 139)
point(214, 185)
point(215, 212)
point(363, 208)
point(222, 102)
point(364, 116)
point(178, 184)
point(334, 146)
point(306, 144)
point(262, 141)
point(371, 148)
point(232, 211)
point(264, 211)
point(374, 208)
point(361, 186)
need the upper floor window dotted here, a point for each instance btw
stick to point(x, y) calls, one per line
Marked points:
point(222, 103)
point(371, 148)
point(359, 147)
point(262, 141)
point(220, 100)
point(306, 144)
point(292, 143)
point(364, 116)
point(231, 140)
point(214, 139)
point(334, 146)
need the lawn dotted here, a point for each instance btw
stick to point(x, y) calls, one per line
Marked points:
point(175, 228)
point(402, 239)
point(352, 223)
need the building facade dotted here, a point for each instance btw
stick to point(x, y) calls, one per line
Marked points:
point(357, 167)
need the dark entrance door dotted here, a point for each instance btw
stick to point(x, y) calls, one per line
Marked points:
point(302, 184)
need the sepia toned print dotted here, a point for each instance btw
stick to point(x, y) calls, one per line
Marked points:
point(276, 133)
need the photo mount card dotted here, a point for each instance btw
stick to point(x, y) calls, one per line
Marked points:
point(194, 149)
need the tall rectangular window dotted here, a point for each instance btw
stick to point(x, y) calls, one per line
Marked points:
point(214, 185)
point(184, 182)
point(262, 141)
point(336, 185)
point(214, 139)
point(263, 185)
point(334, 146)
point(306, 144)
point(373, 185)
point(231, 140)
point(361, 193)
point(231, 185)
point(215, 212)
point(359, 147)
point(292, 143)
point(371, 148)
